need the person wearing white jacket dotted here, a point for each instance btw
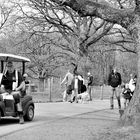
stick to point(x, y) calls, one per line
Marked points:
point(132, 83)
point(68, 81)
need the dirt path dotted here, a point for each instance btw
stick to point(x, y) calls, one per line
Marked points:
point(80, 122)
point(96, 125)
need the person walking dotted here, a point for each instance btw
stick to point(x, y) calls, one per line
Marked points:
point(75, 89)
point(132, 82)
point(89, 85)
point(68, 82)
point(114, 80)
point(126, 94)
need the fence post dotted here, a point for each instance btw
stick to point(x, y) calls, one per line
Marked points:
point(60, 83)
point(50, 98)
point(101, 96)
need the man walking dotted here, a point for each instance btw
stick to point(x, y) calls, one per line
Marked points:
point(114, 80)
point(68, 81)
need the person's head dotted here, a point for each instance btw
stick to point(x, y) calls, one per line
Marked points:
point(76, 76)
point(88, 73)
point(70, 70)
point(114, 70)
point(135, 76)
point(126, 85)
point(10, 67)
point(80, 77)
point(131, 75)
point(25, 75)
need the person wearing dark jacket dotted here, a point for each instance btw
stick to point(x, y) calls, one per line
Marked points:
point(13, 83)
point(90, 84)
point(114, 80)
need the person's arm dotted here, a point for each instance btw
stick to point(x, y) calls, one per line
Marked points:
point(125, 91)
point(120, 79)
point(109, 79)
point(64, 79)
point(90, 80)
point(21, 85)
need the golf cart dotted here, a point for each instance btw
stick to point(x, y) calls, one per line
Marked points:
point(7, 103)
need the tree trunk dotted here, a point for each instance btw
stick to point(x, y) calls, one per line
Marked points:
point(41, 84)
point(132, 113)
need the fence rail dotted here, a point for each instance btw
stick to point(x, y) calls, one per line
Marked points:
point(53, 91)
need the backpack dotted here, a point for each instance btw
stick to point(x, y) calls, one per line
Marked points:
point(127, 94)
point(83, 88)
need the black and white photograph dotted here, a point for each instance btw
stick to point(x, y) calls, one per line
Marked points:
point(69, 69)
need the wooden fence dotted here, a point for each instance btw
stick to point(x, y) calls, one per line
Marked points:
point(53, 91)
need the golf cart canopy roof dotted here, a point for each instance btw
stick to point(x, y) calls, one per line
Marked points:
point(11, 57)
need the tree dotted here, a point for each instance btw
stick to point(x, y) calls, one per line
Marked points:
point(43, 25)
point(74, 34)
point(79, 35)
point(6, 12)
point(129, 19)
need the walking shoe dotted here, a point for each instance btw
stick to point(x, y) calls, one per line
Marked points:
point(70, 101)
point(111, 107)
point(21, 120)
point(121, 112)
point(76, 101)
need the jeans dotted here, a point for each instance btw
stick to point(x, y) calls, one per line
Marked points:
point(117, 94)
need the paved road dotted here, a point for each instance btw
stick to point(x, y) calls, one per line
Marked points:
point(62, 121)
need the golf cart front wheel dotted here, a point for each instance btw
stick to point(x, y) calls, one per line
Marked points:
point(29, 113)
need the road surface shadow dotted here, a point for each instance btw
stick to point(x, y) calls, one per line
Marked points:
point(5, 121)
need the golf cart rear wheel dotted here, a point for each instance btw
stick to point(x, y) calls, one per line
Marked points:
point(29, 113)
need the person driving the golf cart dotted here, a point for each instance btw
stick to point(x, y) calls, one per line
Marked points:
point(13, 83)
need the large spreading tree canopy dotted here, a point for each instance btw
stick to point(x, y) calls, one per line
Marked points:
point(126, 17)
